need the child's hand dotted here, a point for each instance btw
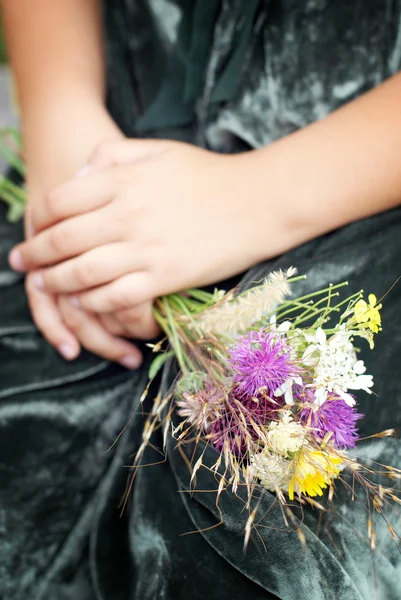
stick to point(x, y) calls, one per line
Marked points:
point(50, 160)
point(174, 216)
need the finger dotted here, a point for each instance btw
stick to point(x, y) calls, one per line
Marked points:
point(113, 325)
point(91, 269)
point(48, 320)
point(139, 322)
point(123, 293)
point(117, 152)
point(96, 339)
point(65, 240)
point(76, 196)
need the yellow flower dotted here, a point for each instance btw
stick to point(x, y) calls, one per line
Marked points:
point(313, 472)
point(368, 313)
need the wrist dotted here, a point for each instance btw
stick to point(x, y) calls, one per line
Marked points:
point(71, 105)
point(285, 197)
point(268, 225)
point(59, 142)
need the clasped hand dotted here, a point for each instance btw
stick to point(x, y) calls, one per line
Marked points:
point(143, 219)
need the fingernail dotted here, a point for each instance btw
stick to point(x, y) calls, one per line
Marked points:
point(67, 351)
point(31, 230)
point(74, 300)
point(15, 260)
point(131, 362)
point(38, 281)
point(82, 172)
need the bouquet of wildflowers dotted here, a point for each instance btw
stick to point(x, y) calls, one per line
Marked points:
point(265, 379)
point(269, 382)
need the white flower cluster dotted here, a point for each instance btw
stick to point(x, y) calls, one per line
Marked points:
point(286, 436)
point(336, 367)
point(272, 470)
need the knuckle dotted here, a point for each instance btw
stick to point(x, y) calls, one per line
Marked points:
point(59, 239)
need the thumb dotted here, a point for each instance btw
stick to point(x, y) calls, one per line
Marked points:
point(112, 153)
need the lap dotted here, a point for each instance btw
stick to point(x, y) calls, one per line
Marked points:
point(60, 529)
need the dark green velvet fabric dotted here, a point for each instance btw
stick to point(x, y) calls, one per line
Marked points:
point(249, 72)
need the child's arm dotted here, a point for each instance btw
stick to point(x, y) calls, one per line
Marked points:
point(55, 47)
point(338, 170)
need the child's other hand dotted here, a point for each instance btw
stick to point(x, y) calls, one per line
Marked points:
point(53, 159)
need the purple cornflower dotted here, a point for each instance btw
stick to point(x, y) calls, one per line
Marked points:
point(235, 423)
point(261, 361)
point(334, 416)
point(227, 429)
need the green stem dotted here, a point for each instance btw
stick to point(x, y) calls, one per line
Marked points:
point(318, 293)
point(175, 342)
point(323, 318)
point(308, 309)
point(162, 322)
point(200, 295)
point(297, 278)
point(312, 307)
point(194, 306)
point(181, 306)
point(294, 307)
point(355, 296)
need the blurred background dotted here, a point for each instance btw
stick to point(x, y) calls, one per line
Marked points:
point(8, 117)
point(7, 114)
point(2, 45)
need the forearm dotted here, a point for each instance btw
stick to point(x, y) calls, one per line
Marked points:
point(338, 170)
point(55, 48)
point(56, 52)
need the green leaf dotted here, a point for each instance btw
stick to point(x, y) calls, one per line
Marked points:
point(15, 212)
point(158, 362)
point(16, 191)
point(14, 196)
point(10, 154)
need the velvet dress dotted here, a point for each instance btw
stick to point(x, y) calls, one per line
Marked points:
point(228, 75)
